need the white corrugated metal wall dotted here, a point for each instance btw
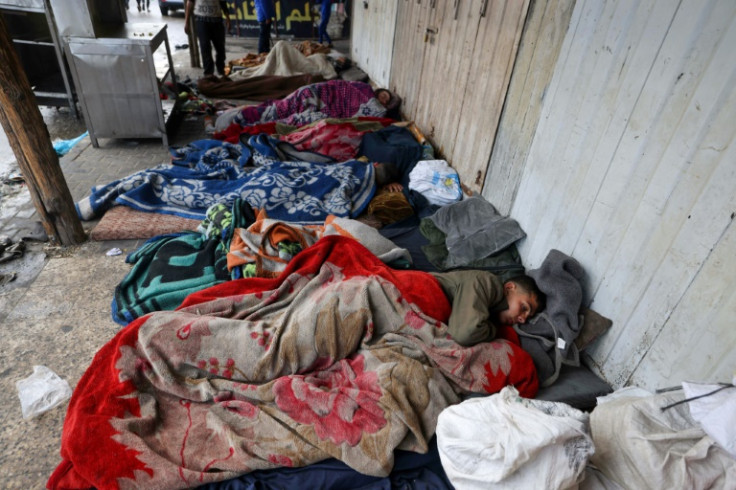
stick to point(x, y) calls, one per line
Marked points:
point(632, 171)
point(629, 167)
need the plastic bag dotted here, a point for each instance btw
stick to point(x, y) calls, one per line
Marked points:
point(436, 181)
point(62, 147)
point(506, 441)
point(41, 391)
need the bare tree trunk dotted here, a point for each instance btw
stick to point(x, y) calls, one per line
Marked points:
point(31, 143)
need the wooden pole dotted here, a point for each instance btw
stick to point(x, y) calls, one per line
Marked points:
point(31, 143)
point(194, 60)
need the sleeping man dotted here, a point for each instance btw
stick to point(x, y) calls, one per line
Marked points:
point(481, 303)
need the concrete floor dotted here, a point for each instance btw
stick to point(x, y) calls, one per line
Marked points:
point(57, 312)
point(58, 321)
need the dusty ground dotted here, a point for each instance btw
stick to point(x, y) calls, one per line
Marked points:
point(57, 312)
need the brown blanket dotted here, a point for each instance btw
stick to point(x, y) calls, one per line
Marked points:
point(265, 87)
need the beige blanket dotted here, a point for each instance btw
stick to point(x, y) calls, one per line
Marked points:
point(639, 445)
point(286, 60)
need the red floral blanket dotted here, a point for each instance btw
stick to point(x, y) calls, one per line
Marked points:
point(340, 356)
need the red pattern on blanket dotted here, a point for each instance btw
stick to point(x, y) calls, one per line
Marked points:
point(340, 356)
point(339, 140)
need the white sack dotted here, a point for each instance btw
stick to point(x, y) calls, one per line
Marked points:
point(715, 413)
point(505, 441)
point(639, 445)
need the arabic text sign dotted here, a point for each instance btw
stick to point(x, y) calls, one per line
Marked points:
point(293, 18)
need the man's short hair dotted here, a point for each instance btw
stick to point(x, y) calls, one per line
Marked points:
point(528, 285)
point(386, 173)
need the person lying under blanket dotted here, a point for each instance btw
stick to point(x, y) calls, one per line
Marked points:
point(292, 191)
point(296, 191)
point(340, 356)
point(481, 303)
point(333, 98)
point(263, 87)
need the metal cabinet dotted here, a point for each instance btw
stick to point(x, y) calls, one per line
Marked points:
point(31, 25)
point(118, 82)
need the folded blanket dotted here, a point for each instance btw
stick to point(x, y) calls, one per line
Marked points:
point(339, 357)
point(474, 230)
point(505, 264)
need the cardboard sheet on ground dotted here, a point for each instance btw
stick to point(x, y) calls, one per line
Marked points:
point(125, 223)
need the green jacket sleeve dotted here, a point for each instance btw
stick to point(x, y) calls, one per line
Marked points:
point(472, 294)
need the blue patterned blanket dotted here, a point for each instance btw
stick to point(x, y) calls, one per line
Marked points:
point(299, 192)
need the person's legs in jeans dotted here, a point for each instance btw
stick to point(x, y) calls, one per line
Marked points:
point(324, 20)
point(264, 38)
point(217, 36)
point(323, 32)
point(205, 50)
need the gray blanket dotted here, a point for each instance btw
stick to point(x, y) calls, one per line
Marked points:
point(550, 335)
point(474, 230)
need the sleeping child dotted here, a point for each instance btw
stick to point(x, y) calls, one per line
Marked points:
point(481, 302)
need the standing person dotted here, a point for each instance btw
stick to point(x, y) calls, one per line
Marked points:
point(265, 13)
point(142, 4)
point(210, 30)
point(324, 18)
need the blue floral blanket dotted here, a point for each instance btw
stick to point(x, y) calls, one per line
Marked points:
point(212, 172)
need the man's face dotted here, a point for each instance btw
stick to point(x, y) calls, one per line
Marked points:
point(522, 305)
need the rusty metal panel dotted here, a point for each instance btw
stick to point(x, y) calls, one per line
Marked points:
point(448, 56)
point(408, 59)
point(493, 55)
point(631, 172)
point(452, 63)
point(372, 41)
